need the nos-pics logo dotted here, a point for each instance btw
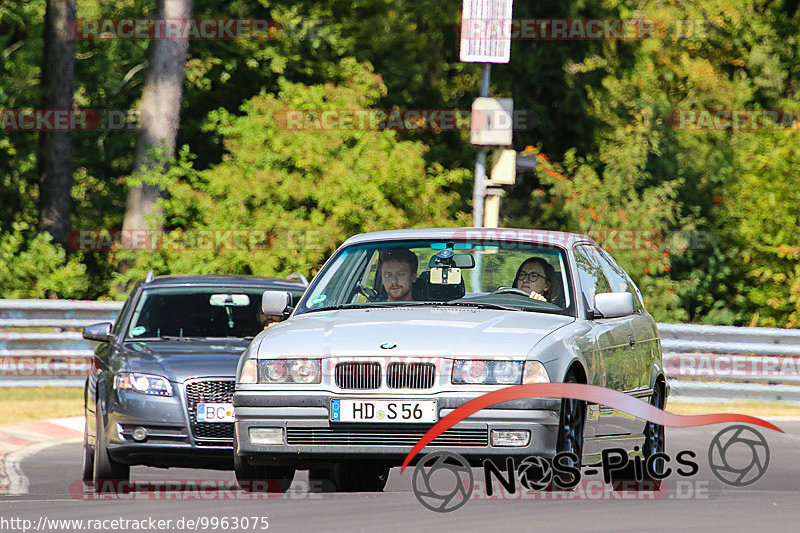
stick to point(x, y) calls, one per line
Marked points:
point(444, 481)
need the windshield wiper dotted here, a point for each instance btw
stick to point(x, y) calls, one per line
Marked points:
point(353, 306)
point(476, 305)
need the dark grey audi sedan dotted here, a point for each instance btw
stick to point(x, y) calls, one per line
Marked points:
point(162, 379)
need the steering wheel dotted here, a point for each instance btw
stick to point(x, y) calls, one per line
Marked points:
point(370, 294)
point(533, 295)
point(511, 290)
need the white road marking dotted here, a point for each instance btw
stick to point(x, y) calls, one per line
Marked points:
point(18, 482)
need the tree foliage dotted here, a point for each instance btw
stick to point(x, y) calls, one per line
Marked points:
point(706, 221)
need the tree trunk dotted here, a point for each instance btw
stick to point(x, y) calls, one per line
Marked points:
point(55, 150)
point(159, 119)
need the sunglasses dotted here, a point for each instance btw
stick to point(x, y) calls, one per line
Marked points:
point(533, 277)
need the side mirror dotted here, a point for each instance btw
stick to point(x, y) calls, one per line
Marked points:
point(98, 332)
point(614, 304)
point(276, 303)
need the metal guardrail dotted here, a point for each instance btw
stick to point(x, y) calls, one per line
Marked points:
point(55, 352)
point(727, 362)
point(702, 362)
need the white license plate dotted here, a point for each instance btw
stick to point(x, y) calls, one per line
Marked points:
point(391, 411)
point(215, 412)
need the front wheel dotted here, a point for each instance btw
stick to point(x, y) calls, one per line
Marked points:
point(107, 474)
point(572, 422)
point(88, 455)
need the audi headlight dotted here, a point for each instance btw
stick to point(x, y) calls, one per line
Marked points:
point(144, 383)
point(303, 371)
point(480, 372)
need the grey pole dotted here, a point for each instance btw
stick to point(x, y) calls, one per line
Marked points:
point(478, 191)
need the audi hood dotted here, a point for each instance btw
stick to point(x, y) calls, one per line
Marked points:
point(181, 360)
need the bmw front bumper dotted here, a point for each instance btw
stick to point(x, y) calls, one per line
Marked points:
point(309, 437)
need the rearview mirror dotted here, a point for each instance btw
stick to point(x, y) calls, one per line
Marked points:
point(276, 303)
point(98, 332)
point(614, 304)
point(446, 258)
point(229, 300)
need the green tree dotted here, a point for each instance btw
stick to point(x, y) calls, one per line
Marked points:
point(300, 192)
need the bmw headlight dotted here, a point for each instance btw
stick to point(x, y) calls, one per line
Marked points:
point(249, 371)
point(484, 372)
point(302, 371)
point(144, 383)
point(535, 372)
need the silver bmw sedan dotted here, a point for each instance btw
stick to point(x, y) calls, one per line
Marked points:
point(400, 328)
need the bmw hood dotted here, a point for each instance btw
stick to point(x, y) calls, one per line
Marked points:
point(410, 331)
point(182, 360)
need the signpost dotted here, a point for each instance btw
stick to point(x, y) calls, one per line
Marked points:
point(485, 38)
point(486, 31)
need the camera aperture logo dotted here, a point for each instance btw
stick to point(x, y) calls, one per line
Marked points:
point(449, 469)
point(733, 470)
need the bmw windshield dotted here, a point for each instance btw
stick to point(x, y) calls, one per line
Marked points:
point(443, 273)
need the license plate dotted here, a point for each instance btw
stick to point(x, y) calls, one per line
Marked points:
point(215, 412)
point(391, 411)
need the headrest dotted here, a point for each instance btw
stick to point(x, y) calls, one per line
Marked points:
point(423, 290)
point(440, 293)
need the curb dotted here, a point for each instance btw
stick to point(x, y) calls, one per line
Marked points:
point(18, 441)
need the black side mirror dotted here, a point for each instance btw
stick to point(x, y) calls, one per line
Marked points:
point(98, 332)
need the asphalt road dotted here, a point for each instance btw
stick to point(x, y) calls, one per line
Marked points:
point(698, 503)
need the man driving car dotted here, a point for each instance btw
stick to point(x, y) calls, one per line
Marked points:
point(397, 271)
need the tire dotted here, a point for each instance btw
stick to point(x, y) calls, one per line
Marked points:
point(348, 477)
point(260, 478)
point(571, 426)
point(655, 436)
point(108, 474)
point(88, 456)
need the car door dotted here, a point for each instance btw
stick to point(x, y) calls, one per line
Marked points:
point(645, 335)
point(617, 369)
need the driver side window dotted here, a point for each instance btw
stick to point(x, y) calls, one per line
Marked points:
point(368, 280)
point(593, 280)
